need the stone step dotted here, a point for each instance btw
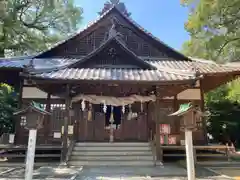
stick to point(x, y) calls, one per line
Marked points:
point(111, 148)
point(112, 153)
point(122, 144)
point(111, 158)
point(111, 163)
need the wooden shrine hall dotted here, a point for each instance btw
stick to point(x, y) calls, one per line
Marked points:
point(112, 81)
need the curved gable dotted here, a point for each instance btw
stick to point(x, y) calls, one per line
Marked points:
point(137, 40)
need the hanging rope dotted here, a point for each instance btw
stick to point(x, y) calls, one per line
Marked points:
point(113, 101)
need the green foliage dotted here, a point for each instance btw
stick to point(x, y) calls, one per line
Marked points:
point(214, 26)
point(8, 104)
point(224, 122)
point(30, 26)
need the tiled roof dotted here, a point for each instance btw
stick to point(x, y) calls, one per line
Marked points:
point(39, 64)
point(115, 74)
point(187, 66)
point(15, 64)
point(204, 66)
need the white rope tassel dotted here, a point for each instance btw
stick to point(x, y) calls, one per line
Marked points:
point(83, 105)
point(130, 112)
point(123, 109)
point(104, 108)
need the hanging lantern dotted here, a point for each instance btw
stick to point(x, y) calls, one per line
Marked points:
point(83, 105)
point(130, 112)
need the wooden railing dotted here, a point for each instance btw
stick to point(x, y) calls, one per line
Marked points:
point(221, 151)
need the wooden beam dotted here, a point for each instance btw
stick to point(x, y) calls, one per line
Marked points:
point(20, 93)
point(20, 102)
point(47, 127)
point(157, 121)
point(204, 124)
point(66, 120)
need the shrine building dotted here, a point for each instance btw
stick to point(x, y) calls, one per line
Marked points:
point(111, 82)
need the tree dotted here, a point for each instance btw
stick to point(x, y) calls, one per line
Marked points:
point(28, 26)
point(214, 26)
point(8, 104)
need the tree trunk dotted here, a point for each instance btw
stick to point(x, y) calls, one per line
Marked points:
point(2, 52)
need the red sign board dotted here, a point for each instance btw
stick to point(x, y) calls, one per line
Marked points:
point(172, 140)
point(164, 129)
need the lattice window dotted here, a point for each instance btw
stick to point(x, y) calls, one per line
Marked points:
point(58, 114)
point(23, 121)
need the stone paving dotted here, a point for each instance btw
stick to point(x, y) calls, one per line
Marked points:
point(48, 173)
point(166, 172)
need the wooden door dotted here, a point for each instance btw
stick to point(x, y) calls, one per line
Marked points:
point(95, 131)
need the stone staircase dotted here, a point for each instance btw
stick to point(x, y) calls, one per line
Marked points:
point(111, 154)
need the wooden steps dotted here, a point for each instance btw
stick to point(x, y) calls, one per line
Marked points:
point(111, 154)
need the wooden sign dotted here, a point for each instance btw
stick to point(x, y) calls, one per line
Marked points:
point(165, 129)
point(70, 130)
point(57, 135)
point(172, 140)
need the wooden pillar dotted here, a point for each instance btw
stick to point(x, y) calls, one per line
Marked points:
point(158, 121)
point(19, 106)
point(66, 121)
point(204, 124)
point(20, 93)
point(176, 120)
point(47, 119)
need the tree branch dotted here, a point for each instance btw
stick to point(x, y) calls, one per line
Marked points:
point(225, 44)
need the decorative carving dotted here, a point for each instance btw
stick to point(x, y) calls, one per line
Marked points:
point(119, 5)
point(113, 33)
point(112, 52)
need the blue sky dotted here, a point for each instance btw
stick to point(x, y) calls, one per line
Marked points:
point(163, 18)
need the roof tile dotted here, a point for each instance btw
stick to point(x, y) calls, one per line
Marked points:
point(114, 74)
